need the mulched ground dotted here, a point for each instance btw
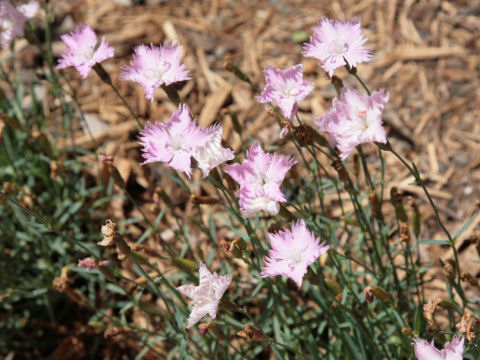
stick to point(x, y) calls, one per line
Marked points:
point(426, 54)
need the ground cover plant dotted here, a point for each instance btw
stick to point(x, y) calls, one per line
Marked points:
point(300, 247)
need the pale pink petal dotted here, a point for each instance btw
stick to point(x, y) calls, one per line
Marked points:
point(83, 50)
point(334, 41)
point(292, 252)
point(155, 66)
point(285, 88)
point(206, 296)
point(425, 350)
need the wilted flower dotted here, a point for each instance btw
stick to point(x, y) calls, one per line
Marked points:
point(334, 42)
point(212, 153)
point(153, 66)
point(90, 263)
point(260, 176)
point(12, 20)
point(285, 88)
point(175, 141)
point(354, 119)
point(83, 50)
point(293, 251)
point(206, 296)
point(427, 351)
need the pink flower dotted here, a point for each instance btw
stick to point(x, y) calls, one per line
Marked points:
point(90, 263)
point(285, 88)
point(174, 141)
point(354, 119)
point(260, 176)
point(83, 50)
point(155, 66)
point(334, 42)
point(212, 153)
point(293, 251)
point(206, 296)
point(427, 351)
point(12, 20)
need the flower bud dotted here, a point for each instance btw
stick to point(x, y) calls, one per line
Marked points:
point(307, 135)
point(203, 200)
point(375, 291)
point(450, 268)
point(185, 264)
point(416, 219)
point(447, 304)
point(333, 286)
point(211, 326)
point(375, 204)
point(338, 83)
point(342, 172)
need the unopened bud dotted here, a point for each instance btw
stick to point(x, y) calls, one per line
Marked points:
point(232, 186)
point(356, 165)
point(466, 276)
point(338, 84)
point(407, 331)
point(397, 200)
point(416, 219)
point(334, 286)
point(384, 147)
point(447, 304)
point(286, 214)
point(450, 268)
point(307, 135)
point(228, 305)
point(338, 300)
point(237, 247)
point(404, 232)
point(213, 328)
point(433, 328)
point(203, 200)
point(185, 264)
point(375, 291)
point(115, 331)
point(375, 204)
point(342, 172)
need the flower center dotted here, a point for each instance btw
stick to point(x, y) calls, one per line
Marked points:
point(339, 47)
point(177, 143)
point(158, 71)
point(362, 115)
point(295, 258)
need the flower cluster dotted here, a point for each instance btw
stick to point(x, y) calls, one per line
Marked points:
point(354, 119)
point(260, 176)
point(337, 43)
point(178, 139)
point(427, 351)
point(153, 66)
point(293, 251)
point(83, 50)
point(12, 20)
point(206, 296)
